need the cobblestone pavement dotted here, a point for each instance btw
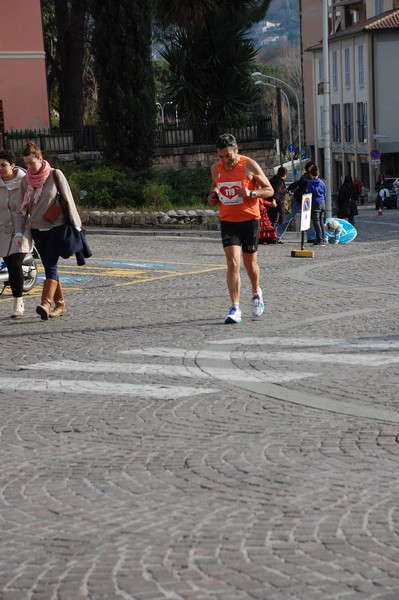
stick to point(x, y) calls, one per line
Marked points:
point(149, 452)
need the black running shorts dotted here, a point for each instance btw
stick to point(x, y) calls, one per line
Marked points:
point(244, 234)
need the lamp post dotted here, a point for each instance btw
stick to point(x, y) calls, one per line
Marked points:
point(258, 74)
point(159, 105)
point(289, 113)
point(326, 109)
point(162, 110)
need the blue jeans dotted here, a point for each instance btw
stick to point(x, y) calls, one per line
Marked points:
point(318, 215)
point(295, 209)
point(47, 247)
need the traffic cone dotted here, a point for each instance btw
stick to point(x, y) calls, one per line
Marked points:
point(380, 213)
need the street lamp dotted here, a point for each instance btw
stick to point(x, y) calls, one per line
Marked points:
point(162, 110)
point(289, 114)
point(258, 74)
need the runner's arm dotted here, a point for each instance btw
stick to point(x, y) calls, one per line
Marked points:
point(213, 197)
point(255, 173)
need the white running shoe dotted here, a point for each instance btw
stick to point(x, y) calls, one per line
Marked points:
point(234, 315)
point(258, 306)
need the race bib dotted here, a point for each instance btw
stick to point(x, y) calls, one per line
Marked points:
point(228, 192)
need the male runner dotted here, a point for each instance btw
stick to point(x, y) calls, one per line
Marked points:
point(237, 184)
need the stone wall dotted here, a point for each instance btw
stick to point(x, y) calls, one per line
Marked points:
point(205, 156)
point(172, 219)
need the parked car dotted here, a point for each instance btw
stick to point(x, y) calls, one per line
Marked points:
point(391, 201)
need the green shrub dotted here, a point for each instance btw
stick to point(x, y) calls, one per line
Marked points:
point(104, 186)
point(157, 196)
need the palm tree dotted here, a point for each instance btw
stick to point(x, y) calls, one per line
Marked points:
point(191, 15)
point(210, 55)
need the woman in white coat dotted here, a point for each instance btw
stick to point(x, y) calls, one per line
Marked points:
point(41, 209)
point(12, 253)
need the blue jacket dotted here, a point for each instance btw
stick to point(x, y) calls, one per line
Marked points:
point(317, 188)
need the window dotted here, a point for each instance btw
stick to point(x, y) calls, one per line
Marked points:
point(362, 122)
point(321, 73)
point(321, 111)
point(360, 65)
point(334, 70)
point(336, 122)
point(348, 122)
point(347, 69)
point(379, 7)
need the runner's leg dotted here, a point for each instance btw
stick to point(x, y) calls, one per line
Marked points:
point(233, 259)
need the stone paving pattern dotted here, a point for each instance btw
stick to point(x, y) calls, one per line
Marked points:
point(207, 479)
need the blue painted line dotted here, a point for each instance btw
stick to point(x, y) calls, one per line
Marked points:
point(70, 278)
point(136, 265)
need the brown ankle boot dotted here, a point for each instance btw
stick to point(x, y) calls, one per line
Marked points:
point(60, 308)
point(49, 287)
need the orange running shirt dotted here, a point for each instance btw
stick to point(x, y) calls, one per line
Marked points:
point(232, 207)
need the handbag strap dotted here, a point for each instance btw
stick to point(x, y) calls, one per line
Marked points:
point(63, 204)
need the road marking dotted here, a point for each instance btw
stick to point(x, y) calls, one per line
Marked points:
point(367, 359)
point(161, 351)
point(134, 264)
point(102, 388)
point(364, 359)
point(138, 271)
point(312, 343)
point(323, 401)
point(168, 370)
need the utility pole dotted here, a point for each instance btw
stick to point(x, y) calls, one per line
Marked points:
point(326, 108)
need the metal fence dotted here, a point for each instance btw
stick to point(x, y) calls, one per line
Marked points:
point(53, 141)
point(88, 139)
point(178, 135)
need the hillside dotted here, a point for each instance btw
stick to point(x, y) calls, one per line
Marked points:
point(281, 24)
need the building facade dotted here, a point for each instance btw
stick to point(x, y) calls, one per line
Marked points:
point(363, 79)
point(23, 84)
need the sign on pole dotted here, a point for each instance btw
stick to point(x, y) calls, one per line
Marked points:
point(305, 214)
point(375, 153)
point(305, 224)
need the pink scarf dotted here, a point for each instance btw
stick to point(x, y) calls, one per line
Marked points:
point(35, 187)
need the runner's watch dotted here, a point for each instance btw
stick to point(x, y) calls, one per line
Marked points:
point(253, 194)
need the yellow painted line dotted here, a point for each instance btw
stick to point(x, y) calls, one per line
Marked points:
point(138, 275)
point(111, 272)
point(169, 275)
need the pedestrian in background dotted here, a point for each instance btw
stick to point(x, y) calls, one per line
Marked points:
point(380, 183)
point(298, 188)
point(41, 210)
point(383, 193)
point(12, 253)
point(360, 189)
point(267, 233)
point(333, 231)
point(317, 188)
point(238, 183)
point(277, 213)
point(347, 200)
